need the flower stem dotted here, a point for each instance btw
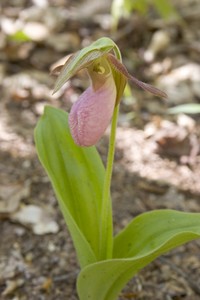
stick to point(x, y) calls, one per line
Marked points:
point(106, 225)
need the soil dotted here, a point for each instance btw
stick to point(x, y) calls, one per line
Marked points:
point(157, 161)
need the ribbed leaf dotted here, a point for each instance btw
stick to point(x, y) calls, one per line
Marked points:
point(77, 175)
point(144, 239)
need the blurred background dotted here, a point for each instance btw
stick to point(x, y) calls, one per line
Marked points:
point(157, 162)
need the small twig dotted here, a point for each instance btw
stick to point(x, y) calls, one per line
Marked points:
point(65, 277)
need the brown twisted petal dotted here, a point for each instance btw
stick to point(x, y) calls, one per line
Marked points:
point(119, 67)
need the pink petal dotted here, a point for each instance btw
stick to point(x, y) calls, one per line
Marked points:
point(92, 113)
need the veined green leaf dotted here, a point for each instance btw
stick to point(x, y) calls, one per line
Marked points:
point(83, 58)
point(77, 176)
point(144, 239)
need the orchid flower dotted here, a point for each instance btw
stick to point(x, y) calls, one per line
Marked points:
point(92, 113)
point(82, 184)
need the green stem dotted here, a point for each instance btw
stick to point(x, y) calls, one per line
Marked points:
point(106, 238)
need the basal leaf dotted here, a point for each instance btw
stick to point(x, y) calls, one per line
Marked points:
point(77, 175)
point(82, 59)
point(147, 237)
point(148, 231)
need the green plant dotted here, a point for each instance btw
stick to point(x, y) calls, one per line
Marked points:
point(125, 7)
point(82, 185)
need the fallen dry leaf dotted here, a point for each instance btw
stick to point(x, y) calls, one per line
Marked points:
point(11, 286)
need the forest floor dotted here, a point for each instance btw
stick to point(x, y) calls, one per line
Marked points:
point(157, 161)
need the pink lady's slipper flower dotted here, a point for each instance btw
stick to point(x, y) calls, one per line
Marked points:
point(91, 114)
